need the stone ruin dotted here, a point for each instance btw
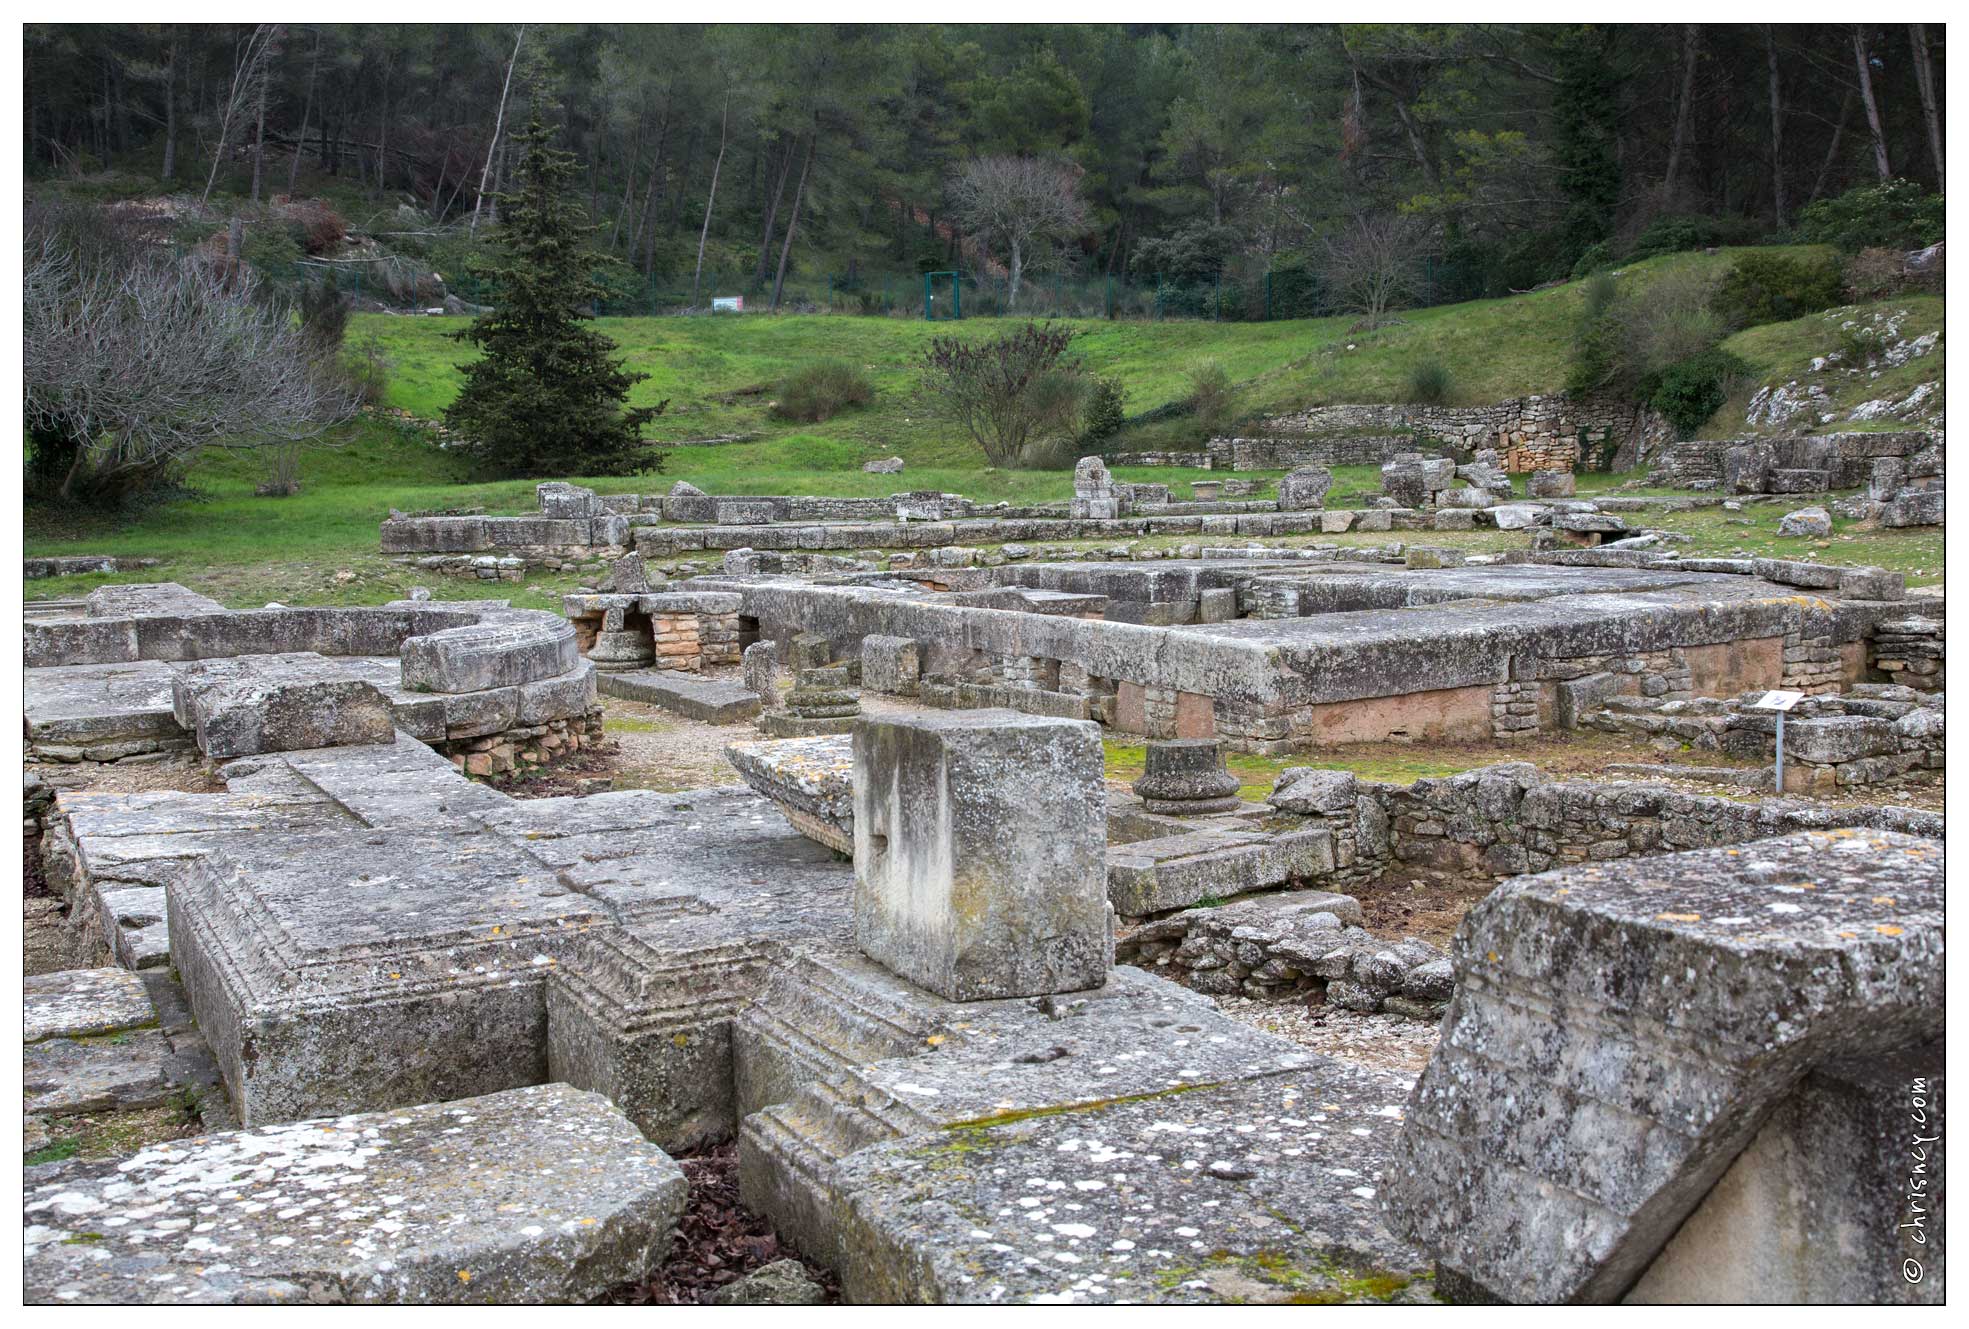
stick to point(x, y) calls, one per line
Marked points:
point(460, 1035)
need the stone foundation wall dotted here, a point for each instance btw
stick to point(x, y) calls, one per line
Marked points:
point(523, 748)
point(1503, 820)
point(1800, 464)
point(1555, 432)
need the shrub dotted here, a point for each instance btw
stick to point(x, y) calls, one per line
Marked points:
point(822, 390)
point(273, 248)
point(1597, 256)
point(1212, 399)
point(1103, 416)
point(1644, 329)
point(318, 227)
point(1672, 235)
point(1429, 381)
point(1773, 288)
point(1691, 389)
point(1003, 391)
point(1897, 214)
point(1875, 274)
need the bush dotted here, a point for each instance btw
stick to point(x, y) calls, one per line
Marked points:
point(1644, 329)
point(1672, 235)
point(1429, 381)
point(1875, 274)
point(1691, 390)
point(1005, 391)
point(1774, 288)
point(1103, 416)
point(1212, 400)
point(273, 247)
point(822, 390)
point(1898, 214)
point(318, 227)
point(1597, 256)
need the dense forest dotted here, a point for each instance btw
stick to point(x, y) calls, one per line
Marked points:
point(1511, 153)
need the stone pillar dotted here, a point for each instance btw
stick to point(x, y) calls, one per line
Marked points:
point(981, 853)
point(761, 666)
point(1186, 778)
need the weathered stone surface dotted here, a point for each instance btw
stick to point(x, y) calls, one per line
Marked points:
point(1304, 488)
point(811, 780)
point(241, 705)
point(979, 853)
point(1814, 523)
point(783, 1282)
point(535, 1195)
point(1186, 777)
point(95, 1073)
point(1174, 871)
point(490, 655)
point(883, 466)
point(891, 664)
point(76, 1003)
point(712, 700)
point(1621, 1031)
point(1312, 791)
point(1257, 1192)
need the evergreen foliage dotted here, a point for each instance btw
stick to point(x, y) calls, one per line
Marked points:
point(548, 397)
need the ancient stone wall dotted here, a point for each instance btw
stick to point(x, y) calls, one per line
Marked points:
point(1801, 464)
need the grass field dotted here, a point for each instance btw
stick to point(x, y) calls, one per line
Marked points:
point(719, 375)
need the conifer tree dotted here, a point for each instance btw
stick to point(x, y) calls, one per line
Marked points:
point(548, 398)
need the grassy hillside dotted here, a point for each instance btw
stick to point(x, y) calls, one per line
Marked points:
point(1782, 355)
point(719, 375)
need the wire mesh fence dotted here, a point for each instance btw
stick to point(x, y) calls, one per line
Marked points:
point(1231, 296)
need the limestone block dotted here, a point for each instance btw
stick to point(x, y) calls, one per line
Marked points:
point(567, 502)
point(490, 655)
point(1551, 484)
point(537, 1195)
point(891, 664)
point(1815, 523)
point(980, 841)
point(1621, 1031)
point(237, 706)
point(1304, 488)
point(76, 1003)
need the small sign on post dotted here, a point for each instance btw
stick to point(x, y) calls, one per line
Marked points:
point(728, 304)
point(1778, 701)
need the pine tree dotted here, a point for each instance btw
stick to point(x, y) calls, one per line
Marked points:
point(547, 398)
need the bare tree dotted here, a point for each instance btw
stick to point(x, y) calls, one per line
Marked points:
point(1018, 206)
point(1924, 78)
point(1864, 62)
point(1371, 267)
point(498, 125)
point(249, 74)
point(704, 232)
point(134, 362)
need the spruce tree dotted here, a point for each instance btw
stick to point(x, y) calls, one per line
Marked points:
point(548, 398)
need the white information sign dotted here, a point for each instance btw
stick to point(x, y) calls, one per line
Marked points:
point(1777, 701)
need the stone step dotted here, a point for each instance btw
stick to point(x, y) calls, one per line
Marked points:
point(537, 1195)
point(712, 700)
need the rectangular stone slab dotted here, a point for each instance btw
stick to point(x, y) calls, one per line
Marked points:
point(537, 1195)
point(80, 1002)
point(371, 969)
point(242, 705)
point(712, 700)
point(980, 869)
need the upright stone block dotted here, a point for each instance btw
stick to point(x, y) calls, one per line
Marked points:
point(1621, 1032)
point(980, 853)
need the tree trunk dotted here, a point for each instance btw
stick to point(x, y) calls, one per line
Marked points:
point(1924, 78)
point(1017, 271)
point(1832, 148)
point(629, 179)
point(793, 218)
point(260, 141)
point(307, 109)
point(772, 215)
point(1683, 105)
point(1777, 126)
point(383, 133)
point(1872, 106)
point(650, 195)
point(498, 123)
point(171, 110)
point(704, 232)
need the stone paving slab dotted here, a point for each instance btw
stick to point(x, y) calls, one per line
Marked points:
point(1264, 1191)
point(535, 1195)
point(811, 780)
point(100, 1073)
point(712, 700)
point(75, 1002)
